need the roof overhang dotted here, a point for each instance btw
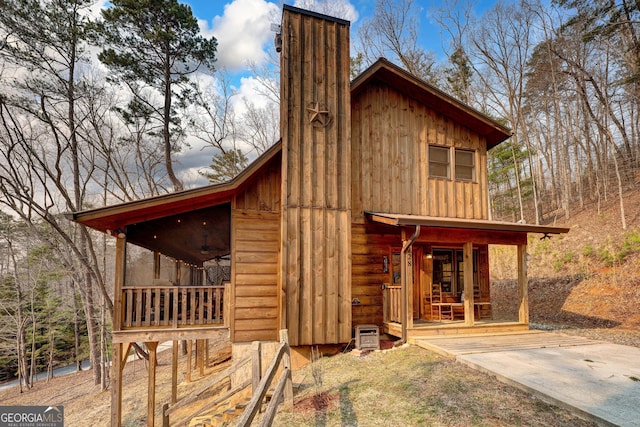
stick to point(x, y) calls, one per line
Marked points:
point(191, 225)
point(118, 216)
point(400, 220)
point(390, 74)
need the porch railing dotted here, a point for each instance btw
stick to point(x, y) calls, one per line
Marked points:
point(172, 306)
point(392, 303)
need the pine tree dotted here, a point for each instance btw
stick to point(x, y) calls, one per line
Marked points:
point(153, 47)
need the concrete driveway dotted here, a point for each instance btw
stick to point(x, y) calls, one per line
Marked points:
point(597, 379)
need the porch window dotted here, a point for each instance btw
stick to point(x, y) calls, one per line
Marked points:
point(395, 268)
point(438, 162)
point(465, 165)
point(448, 269)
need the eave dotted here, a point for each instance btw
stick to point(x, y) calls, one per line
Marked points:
point(111, 218)
point(400, 220)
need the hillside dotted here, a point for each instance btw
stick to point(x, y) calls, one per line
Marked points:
point(588, 281)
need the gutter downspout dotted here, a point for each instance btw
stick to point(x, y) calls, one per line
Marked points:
point(406, 245)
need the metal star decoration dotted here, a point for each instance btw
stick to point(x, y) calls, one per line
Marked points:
point(318, 117)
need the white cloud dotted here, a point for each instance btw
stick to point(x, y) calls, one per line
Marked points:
point(252, 90)
point(242, 32)
point(342, 9)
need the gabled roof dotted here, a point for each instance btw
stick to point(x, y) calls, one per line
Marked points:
point(388, 73)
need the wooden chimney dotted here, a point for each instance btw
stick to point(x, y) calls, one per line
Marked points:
point(315, 119)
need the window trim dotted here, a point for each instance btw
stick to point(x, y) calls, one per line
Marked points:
point(447, 164)
point(472, 166)
point(452, 166)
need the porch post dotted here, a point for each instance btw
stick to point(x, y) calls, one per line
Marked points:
point(406, 246)
point(117, 358)
point(467, 255)
point(523, 295)
point(151, 386)
point(156, 265)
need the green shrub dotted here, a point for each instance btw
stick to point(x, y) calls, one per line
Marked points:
point(565, 259)
point(588, 251)
point(606, 257)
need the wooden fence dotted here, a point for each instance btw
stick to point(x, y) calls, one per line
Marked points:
point(283, 388)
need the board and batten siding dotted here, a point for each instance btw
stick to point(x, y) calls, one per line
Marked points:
point(391, 134)
point(316, 208)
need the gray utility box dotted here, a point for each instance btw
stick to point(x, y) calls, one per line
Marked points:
point(367, 337)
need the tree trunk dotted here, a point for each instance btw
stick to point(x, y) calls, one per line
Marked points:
point(76, 329)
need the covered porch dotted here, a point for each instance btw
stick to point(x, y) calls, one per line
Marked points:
point(434, 294)
point(171, 253)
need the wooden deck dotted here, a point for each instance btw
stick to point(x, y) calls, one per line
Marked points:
point(160, 334)
point(448, 328)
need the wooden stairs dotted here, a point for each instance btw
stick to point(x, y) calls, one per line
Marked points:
point(218, 418)
point(235, 393)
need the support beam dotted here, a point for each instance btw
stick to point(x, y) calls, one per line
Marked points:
point(523, 293)
point(118, 353)
point(116, 385)
point(467, 255)
point(151, 396)
point(200, 356)
point(189, 361)
point(174, 373)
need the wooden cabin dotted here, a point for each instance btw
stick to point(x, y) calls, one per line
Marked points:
point(372, 209)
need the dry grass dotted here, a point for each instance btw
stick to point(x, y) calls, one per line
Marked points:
point(410, 386)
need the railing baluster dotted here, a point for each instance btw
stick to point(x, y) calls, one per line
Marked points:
point(174, 319)
point(137, 320)
point(156, 305)
point(217, 301)
point(128, 314)
point(166, 299)
point(200, 303)
point(172, 306)
point(184, 317)
point(147, 307)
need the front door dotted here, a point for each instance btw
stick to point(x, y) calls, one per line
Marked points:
point(425, 283)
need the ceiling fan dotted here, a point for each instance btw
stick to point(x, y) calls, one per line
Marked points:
point(205, 249)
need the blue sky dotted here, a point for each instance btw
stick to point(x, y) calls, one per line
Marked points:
point(243, 27)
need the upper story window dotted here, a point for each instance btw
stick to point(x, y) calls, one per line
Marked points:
point(465, 165)
point(440, 165)
point(438, 162)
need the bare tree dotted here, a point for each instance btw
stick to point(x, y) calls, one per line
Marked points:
point(41, 150)
point(392, 31)
point(502, 43)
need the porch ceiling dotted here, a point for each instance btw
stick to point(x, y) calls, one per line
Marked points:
point(193, 237)
point(471, 224)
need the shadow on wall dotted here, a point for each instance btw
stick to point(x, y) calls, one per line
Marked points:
point(547, 298)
